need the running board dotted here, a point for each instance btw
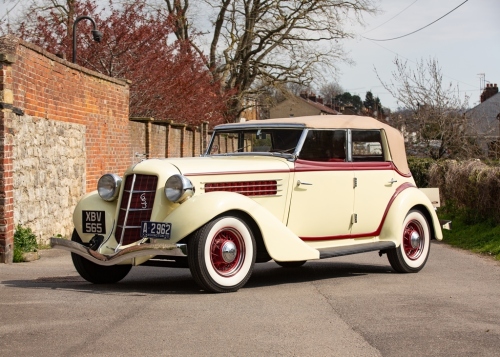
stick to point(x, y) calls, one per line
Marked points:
point(360, 248)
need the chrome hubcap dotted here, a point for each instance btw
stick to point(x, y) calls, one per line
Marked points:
point(229, 252)
point(415, 240)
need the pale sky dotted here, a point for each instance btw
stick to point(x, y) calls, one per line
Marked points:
point(465, 43)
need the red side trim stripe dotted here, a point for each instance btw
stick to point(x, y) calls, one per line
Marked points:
point(400, 189)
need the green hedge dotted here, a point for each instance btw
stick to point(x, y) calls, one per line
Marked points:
point(420, 168)
point(470, 187)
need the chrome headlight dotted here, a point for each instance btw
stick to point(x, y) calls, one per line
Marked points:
point(178, 188)
point(108, 187)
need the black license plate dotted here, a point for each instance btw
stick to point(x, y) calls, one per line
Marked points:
point(94, 222)
point(159, 230)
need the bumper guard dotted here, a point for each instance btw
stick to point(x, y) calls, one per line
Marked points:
point(145, 249)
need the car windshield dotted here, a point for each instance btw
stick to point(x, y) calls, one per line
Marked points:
point(266, 141)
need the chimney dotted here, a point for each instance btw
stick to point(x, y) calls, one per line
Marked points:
point(489, 91)
point(303, 94)
point(320, 100)
point(312, 97)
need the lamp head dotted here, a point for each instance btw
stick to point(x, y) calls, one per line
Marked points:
point(97, 35)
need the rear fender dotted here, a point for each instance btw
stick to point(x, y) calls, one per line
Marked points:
point(280, 242)
point(408, 199)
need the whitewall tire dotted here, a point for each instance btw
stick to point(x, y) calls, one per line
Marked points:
point(413, 251)
point(221, 254)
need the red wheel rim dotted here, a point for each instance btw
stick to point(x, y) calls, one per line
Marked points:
point(412, 245)
point(224, 263)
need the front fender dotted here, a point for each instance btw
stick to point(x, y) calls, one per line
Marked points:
point(280, 242)
point(93, 202)
point(406, 200)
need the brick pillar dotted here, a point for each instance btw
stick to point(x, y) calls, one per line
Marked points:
point(148, 139)
point(6, 139)
point(204, 134)
point(193, 129)
point(183, 140)
point(168, 129)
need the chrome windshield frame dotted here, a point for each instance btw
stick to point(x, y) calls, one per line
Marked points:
point(256, 126)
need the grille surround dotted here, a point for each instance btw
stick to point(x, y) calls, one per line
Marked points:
point(136, 206)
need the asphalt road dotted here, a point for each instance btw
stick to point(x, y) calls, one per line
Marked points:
point(349, 306)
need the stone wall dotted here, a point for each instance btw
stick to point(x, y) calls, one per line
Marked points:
point(49, 174)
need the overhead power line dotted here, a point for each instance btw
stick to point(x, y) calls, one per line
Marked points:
point(391, 17)
point(411, 33)
point(409, 60)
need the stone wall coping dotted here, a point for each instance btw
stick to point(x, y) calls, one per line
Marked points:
point(8, 54)
point(142, 119)
point(167, 122)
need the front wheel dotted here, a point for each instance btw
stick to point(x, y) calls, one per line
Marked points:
point(95, 273)
point(412, 253)
point(221, 254)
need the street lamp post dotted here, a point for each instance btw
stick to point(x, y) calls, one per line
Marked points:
point(97, 35)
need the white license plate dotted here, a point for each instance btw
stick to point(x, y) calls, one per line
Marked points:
point(159, 230)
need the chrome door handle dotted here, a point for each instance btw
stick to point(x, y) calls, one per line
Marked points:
point(393, 181)
point(303, 183)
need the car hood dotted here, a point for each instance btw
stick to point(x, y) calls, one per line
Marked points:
point(212, 165)
point(217, 165)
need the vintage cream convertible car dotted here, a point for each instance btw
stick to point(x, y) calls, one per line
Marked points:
point(291, 190)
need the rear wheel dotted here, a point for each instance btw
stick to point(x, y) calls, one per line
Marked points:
point(95, 273)
point(221, 254)
point(412, 253)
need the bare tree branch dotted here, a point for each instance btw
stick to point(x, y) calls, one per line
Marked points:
point(433, 113)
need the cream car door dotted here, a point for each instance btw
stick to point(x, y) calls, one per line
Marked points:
point(322, 193)
point(375, 181)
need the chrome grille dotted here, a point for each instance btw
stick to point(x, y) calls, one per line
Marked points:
point(136, 206)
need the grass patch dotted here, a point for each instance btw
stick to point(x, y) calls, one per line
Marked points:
point(479, 237)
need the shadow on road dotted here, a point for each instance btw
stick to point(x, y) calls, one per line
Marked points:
point(272, 274)
point(143, 281)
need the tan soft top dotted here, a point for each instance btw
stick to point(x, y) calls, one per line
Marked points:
point(394, 136)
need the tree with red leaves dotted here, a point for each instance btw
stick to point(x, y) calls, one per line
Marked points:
point(169, 81)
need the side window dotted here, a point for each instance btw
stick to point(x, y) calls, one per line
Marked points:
point(367, 145)
point(324, 145)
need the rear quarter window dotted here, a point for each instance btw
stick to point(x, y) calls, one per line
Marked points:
point(367, 145)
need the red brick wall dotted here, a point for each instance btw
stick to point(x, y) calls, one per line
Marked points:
point(45, 86)
point(158, 141)
point(36, 83)
point(137, 141)
point(157, 138)
point(6, 182)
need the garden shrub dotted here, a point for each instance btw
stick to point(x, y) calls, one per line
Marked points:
point(419, 168)
point(24, 242)
point(471, 187)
